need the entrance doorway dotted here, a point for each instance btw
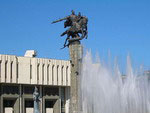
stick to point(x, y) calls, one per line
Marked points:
point(9, 105)
point(52, 106)
point(49, 106)
point(29, 106)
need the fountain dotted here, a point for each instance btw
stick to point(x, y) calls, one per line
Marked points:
point(105, 90)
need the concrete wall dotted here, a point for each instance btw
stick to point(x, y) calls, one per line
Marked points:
point(25, 70)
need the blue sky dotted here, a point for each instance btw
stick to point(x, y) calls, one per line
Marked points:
point(118, 26)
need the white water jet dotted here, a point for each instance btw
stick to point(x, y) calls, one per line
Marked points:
point(105, 90)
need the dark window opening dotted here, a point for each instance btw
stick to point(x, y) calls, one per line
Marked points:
point(9, 103)
point(51, 91)
point(10, 89)
point(29, 103)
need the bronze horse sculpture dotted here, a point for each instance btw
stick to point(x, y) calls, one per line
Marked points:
point(78, 27)
point(75, 30)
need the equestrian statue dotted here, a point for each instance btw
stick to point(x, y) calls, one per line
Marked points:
point(77, 27)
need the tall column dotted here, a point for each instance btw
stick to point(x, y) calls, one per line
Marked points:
point(76, 58)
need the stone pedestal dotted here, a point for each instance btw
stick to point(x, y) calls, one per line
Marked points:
point(76, 51)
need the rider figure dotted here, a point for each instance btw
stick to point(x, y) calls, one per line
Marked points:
point(70, 19)
point(73, 16)
point(79, 17)
point(77, 25)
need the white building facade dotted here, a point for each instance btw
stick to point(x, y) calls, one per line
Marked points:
point(19, 76)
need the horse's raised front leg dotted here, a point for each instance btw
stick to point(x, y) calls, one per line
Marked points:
point(63, 33)
point(66, 41)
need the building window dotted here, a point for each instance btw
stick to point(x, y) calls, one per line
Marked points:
point(8, 103)
point(49, 103)
point(7, 89)
point(28, 89)
point(29, 103)
point(49, 91)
